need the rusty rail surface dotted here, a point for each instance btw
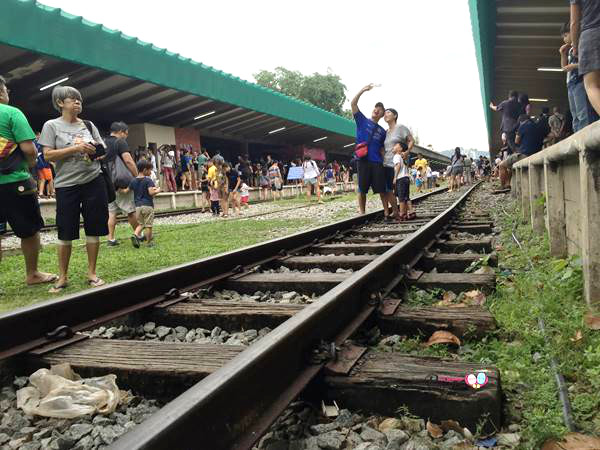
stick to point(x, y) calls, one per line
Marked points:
point(234, 406)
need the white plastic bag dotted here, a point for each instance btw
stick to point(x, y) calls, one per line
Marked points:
point(60, 392)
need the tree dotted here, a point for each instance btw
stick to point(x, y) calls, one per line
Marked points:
point(415, 135)
point(325, 91)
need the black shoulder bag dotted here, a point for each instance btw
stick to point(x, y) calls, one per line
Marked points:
point(104, 172)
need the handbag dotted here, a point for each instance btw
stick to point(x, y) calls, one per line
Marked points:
point(362, 148)
point(104, 172)
point(121, 176)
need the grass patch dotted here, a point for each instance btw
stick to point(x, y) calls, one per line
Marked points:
point(415, 346)
point(553, 290)
point(175, 244)
point(420, 297)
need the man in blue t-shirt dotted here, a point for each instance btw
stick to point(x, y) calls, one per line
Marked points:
point(370, 168)
point(529, 139)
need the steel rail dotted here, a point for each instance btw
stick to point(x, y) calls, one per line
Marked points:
point(234, 406)
point(27, 328)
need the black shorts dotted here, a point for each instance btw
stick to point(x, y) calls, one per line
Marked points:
point(389, 178)
point(403, 189)
point(371, 175)
point(20, 208)
point(91, 201)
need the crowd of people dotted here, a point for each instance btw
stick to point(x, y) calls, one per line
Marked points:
point(524, 135)
point(185, 169)
point(98, 178)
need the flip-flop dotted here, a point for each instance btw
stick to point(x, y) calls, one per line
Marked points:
point(49, 278)
point(57, 289)
point(96, 283)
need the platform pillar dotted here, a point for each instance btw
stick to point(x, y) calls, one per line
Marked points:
point(589, 213)
point(525, 208)
point(555, 209)
point(515, 183)
point(536, 198)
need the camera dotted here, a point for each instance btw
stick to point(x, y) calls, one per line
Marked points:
point(100, 151)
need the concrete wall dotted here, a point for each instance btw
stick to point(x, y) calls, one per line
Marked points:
point(572, 193)
point(187, 136)
point(559, 191)
point(159, 134)
point(137, 136)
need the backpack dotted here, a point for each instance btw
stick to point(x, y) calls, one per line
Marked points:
point(11, 160)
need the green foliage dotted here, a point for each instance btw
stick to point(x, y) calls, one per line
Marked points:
point(325, 91)
point(531, 284)
point(481, 262)
point(416, 347)
point(420, 297)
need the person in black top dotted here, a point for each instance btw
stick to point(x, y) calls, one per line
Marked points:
point(204, 186)
point(511, 109)
point(234, 182)
point(117, 147)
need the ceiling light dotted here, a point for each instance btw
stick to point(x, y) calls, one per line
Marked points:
point(320, 139)
point(550, 69)
point(349, 145)
point(538, 99)
point(277, 130)
point(54, 83)
point(204, 115)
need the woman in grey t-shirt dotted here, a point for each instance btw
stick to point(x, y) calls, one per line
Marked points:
point(395, 134)
point(70, 142)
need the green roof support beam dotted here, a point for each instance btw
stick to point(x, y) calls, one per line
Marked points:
point(483, 24)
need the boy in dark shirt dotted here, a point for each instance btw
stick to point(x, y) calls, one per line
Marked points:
point(143, 192)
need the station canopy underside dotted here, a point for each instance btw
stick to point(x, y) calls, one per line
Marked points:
point(109, 96)
point(513, 39)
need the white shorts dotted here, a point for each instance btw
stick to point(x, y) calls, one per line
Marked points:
point(123, 203)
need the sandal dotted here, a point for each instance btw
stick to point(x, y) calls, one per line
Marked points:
point(96, 283)
point(411, 216)
point(57, 289)
point(47, 278)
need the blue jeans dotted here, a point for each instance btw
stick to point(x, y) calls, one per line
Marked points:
point(581, 109)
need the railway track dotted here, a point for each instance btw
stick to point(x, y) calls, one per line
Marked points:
point(316, 289)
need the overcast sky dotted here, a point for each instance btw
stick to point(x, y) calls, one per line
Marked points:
point(420, 51)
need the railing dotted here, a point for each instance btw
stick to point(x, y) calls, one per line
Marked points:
point(559, 189)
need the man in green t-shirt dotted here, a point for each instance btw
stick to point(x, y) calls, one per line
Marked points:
point(18, 192)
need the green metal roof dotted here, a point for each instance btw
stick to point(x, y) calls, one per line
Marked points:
point(53, 32)
point(483, 23)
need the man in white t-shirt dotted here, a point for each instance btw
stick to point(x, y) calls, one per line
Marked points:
point(311, 178)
